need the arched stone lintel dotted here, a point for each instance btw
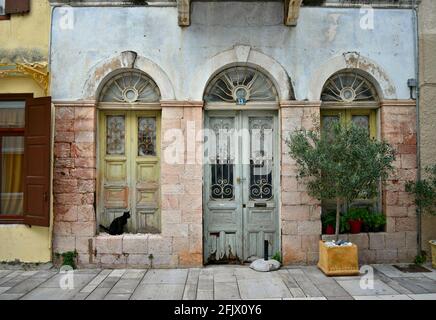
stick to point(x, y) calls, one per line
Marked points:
point(104, 70)
point(241, 55)
point(371, 70)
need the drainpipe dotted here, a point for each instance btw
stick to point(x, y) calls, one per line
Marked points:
point(415, 18)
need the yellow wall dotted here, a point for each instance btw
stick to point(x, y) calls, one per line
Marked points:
point(30, 30)
point(20, 85)
point(27, 244)
point(28, 35)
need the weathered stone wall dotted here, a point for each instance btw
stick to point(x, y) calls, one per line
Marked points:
point(398, 127)
point(74, 180)
point(300, 214)
point(179, 244)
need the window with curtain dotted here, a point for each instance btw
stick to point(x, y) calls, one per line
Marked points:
point(2, 7)
point(12, 115)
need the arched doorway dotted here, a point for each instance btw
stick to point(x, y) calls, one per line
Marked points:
point(241, 172)
point(129, 151)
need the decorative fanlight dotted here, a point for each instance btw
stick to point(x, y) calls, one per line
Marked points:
point(240, 84)
point(130, 87)
point(348, 87)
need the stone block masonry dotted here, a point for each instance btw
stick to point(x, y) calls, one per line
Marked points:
point(180, 243)
point(300, 215)
point(75, 174)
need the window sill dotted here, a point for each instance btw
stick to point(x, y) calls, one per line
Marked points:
point(5, 17)
point(11, 220)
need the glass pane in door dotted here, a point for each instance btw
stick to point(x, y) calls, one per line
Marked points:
point(261, 158)
point(115, 137)
point(146, 136)
point(222, 158)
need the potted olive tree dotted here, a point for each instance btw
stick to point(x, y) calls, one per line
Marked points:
point(424, 192)
point(344, 164)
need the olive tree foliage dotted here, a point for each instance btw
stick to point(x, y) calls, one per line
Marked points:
point(424, 191)
point(341, 163)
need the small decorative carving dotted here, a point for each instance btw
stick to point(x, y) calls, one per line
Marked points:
point(37, 71)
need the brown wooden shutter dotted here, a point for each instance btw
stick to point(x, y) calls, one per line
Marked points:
point(37, 162)
point(17, 6)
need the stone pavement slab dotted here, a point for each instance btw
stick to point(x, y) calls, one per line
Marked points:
point(190, 292)
point(164, 291)
point(429, 296)
point(384, 297)
point(169, 276)
point(354, 288)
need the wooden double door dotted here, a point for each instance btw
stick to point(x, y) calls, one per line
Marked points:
point(129, 169)
point(240, 185)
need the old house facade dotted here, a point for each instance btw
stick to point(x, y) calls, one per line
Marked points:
point(179, 112)
point(25, 132)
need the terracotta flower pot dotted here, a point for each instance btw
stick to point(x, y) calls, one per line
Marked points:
point(329, 229)
point(355, 226)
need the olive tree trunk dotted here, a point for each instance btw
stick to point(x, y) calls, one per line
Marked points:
point(338, 216)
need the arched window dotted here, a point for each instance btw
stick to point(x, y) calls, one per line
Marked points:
point(130, 86)
point(240, 84)
point(349, 97)
point(348, 87)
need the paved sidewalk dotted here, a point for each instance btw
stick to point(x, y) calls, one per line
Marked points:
point(214, 282)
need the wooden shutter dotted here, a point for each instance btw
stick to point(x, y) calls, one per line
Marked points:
point(37, 162)
point(17, 6)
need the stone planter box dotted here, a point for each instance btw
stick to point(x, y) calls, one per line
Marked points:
point(433, 253)
point(338, 261)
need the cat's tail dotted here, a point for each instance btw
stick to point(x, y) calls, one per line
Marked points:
point(104, 228)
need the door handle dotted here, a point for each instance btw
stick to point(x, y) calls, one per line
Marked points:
point(239, 179)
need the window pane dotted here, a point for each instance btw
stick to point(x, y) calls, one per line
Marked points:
point(361, 121)
point(261, 158)
point(115, 137)
point(12, 161)
point(146, 136)
point(327, 122)
point(222, 181)
point(12, 114)
point(2, 7)
point(222, 158)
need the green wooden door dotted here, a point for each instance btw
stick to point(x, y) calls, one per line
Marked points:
point(129, 169)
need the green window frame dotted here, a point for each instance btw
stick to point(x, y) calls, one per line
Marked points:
point(345, 115)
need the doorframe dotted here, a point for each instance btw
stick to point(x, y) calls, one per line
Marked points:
point(269, 108)
point(100, 108)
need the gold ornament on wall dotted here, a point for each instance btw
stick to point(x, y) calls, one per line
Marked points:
point(37, 71)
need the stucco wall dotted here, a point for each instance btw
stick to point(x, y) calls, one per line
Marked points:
point(427, 16)
point(26, 35)
point(184, 54)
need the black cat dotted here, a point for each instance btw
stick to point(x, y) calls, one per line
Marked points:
point(117, 225)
